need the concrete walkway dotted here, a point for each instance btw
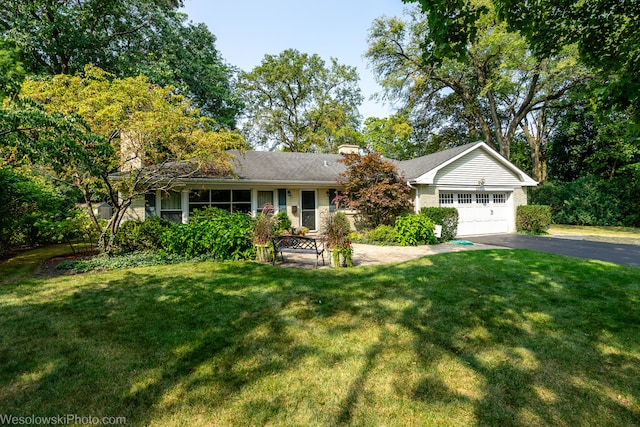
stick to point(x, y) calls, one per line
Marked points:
point(375, 255)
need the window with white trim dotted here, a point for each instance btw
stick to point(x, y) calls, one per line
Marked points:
point(445, 198)
point(264, 197)
point(229, 200)
point(499, 199)
point(464, 198)
point(150, 205)
point(171, 206)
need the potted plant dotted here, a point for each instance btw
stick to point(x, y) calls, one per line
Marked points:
point(300, 231)
point(262, 231)
point(335, 230)
point(342, 255)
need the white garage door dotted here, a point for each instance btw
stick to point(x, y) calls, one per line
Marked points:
point(479, 212)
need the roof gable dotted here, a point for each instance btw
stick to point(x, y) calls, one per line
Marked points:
point(447, 160)
point(415, 168)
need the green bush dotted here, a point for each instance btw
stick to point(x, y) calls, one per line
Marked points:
point(213, 232)
point(383, 234)
point(75, 227)
point(533, 218)
point(447, 217)
point(283, 223)
point(414, 229)
point(28, 200)
point(592, 200)
point(145, 235)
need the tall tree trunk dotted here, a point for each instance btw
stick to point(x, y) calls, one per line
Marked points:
point(536, 138)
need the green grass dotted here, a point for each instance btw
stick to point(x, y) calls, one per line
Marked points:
point(24, 264)
point(470, 338)
point(625, 235)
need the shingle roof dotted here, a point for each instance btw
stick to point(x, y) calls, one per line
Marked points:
point(284, 166)
point(271, 166)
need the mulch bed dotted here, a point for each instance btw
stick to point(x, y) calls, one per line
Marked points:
point(49, 267)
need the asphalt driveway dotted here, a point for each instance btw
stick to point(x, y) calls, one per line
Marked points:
point(609, 252)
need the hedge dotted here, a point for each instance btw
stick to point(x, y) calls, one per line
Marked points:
point(592, 201)
point(533, 218)
point(447, 217)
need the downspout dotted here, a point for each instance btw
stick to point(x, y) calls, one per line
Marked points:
point(416, 203)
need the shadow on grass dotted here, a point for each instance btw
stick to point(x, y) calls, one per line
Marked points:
point(519, 337)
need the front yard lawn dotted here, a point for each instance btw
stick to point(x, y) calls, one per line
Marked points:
point(624, 235)
point(470, 338)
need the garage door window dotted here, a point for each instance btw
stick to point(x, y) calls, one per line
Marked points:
point(446, 198)
point(499, 199)
point(482, 198)
point(464, 198)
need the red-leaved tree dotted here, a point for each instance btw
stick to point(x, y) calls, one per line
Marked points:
point(374, 188)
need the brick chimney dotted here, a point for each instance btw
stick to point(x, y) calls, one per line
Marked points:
point(131, 151)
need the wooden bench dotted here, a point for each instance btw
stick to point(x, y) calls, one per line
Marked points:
point(297, 244)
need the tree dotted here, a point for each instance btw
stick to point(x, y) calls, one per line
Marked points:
point(111, 137)
point(591, 142)
point(373, 187)
point(392, 137)
point(11, 70)
point(496, 90)
point(126, 38)
point(297, 103)
point(605, 32)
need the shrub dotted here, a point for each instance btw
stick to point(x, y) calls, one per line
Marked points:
point(283, 223)
point(28, 199)
point(533, 218)
point(74, 227)
point(213, 232)
point(373, 186)
point(447, 217)
point(383, 234)
point(414, 229)
point(145, 235)
point(592, 200)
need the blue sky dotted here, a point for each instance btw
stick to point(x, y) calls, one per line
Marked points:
point(247, 30)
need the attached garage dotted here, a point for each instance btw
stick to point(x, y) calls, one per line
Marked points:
point(476, 180)
point(480, 212)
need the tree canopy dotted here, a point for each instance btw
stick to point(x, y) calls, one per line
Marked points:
point(126, 38)
point(605, 31)
point(392, 137)
point(79, 126)
point(494, 91)
point(295, 102)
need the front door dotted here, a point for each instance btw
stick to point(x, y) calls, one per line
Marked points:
point(309, 209)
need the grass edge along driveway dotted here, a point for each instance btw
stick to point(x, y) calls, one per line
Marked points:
point(471, 338)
